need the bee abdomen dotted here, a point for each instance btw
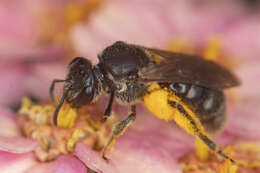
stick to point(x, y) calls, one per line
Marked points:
point(209, 105)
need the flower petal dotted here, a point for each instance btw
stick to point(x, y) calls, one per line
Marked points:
point(243, 40)
point(122, 159)
point(249, 74)
point(146, 147)
point(17, 144)
point(25, 42)
point(63, 164)
point(16, 163)
point(244, 119)
point(11, 78)
point(148, 155)
point(7, 123)
point(37, 84)
point(93, 160)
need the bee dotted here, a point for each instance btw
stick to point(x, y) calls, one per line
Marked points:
point(173, 86)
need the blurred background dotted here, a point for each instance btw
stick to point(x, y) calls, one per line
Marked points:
point(38, 38)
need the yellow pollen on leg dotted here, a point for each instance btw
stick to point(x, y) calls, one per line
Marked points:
point(201, 150)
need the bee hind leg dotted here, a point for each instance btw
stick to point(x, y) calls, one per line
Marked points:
point(119, 129)
point(192, 125)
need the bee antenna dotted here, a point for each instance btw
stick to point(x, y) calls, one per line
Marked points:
point(52, 88)
point(55, 116)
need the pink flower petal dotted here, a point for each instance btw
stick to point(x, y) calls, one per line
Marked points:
point(7, 123)
point(145, 147)
point(63, 164)
point(38, 83)
point(225, 138)
point(93, 160)
point(128, 160)
point(11, 78)
point(16, 163)
point(17, 144)
point(249, 74)
point(20, 31)
point(243, 40)
point(244, 119)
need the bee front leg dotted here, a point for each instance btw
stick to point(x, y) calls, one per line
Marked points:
point(51, 90)
point(108, 108)
point(119, 129)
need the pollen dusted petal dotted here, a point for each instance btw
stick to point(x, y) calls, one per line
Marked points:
point(16, 163)
point(36, 122)
point(63, 164)
point(17, 144)
point(246, 156)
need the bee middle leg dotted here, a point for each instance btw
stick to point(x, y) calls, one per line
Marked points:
point(119, 129)
point(108, 108)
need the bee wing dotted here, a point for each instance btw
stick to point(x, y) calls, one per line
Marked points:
point(183, 68)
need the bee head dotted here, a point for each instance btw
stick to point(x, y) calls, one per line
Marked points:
point(80, 85)
point(80, 82)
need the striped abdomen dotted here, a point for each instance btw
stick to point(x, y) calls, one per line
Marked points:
point(208, 104)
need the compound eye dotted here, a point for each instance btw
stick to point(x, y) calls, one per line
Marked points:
point(179, 87)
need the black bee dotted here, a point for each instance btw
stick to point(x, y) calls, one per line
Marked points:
point(189, 85)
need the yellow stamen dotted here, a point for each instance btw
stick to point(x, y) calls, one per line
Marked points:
point(37, 114)
point(228, 167)
point(180, 46)
point(212, 50)
point(67, 117)
point(250, 147)
point(25, 106)
point(74, 13)
point(76, 136)
point(36, 122)
point(189, 167)
point(77, 12)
